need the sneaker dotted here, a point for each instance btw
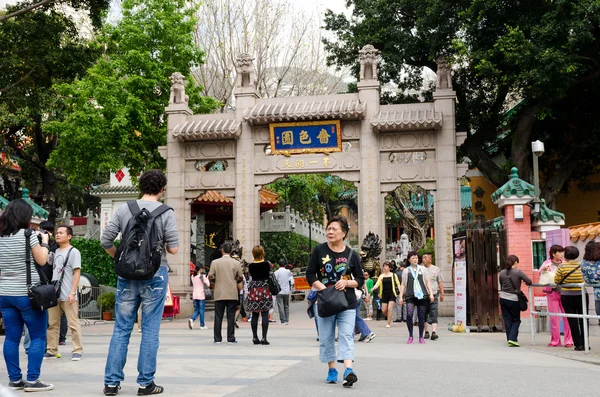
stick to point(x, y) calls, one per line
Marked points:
point(272, 321)
point(38, 385)
point(236, 324)
point(434, 336)
point(217, 342)
point(410, 340)
point(203, 327)
point(350, 378)
point(422, 341)
point(231, 342)
point(76, 357)
point(332, 376)
point(579, 348)
point(426, 335)
point(362, 338)
point(249, 319)
point(190, 323)
point(388, 326)
point(513, 344)
point(17, 385)
point(62, 343)
point(370, 337)
point(111, 390)
point(48, 355)
point(369, 319)
point(152, 388)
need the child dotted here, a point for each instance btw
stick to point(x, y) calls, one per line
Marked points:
point(199, 282)
point(369, 283)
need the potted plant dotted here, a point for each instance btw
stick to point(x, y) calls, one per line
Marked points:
point(107, 304)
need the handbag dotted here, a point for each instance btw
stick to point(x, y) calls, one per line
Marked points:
point(41, 295)
point(547, 278)
point(57, 284)
point(207, 291)
point(523, 301)
point(273, 284)
point(332, 301)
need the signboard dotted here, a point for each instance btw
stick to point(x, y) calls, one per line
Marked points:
point(460, 281)
point(540, 301)
point(306, 137)
point(518, 212)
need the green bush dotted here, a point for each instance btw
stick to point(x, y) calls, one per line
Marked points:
point(108, 302)
point(287, 245)
point(95, 260)
point(428, 249)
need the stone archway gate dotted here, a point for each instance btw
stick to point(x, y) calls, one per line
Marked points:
point(382, 146)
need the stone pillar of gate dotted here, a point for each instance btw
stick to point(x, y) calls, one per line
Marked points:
point(177, 114)
point(513, 198)
point(369, 200)
point(447, 194)
point(246, 205)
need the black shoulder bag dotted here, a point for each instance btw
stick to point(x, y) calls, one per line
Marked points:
point(41, 295)
point(523, 301)
point(331, 301)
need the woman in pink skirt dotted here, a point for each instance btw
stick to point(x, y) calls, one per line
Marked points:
point(557, 253)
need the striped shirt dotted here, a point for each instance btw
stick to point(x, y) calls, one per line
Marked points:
point(13, 275)
point(574, 278)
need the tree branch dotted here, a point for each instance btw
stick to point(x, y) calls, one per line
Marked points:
point(8, 87)
point(25, 9)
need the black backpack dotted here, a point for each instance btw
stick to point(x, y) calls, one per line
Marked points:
point(139, 254)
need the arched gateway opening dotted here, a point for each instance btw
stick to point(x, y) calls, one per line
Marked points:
point(350, 136)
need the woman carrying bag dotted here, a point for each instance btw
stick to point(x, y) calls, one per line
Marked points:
point(510, 281)
point(334, 270)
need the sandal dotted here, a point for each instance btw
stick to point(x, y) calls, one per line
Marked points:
point(152, 388)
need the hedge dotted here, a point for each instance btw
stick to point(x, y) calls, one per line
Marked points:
point(95, 260)
point(290, 246)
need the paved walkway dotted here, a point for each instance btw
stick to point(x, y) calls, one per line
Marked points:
point(455, 365)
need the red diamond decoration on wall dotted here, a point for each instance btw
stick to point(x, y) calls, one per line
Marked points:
point(120, 175)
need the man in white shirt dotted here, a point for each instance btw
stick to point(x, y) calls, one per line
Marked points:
point(284, 278)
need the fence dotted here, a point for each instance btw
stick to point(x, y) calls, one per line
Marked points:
point(585, 316)
point(90, 301)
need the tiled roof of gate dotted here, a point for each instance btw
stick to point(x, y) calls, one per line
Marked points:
point(107, 189)
point(267, 197)
point(406, 119)
point(214, 128)
point(314, 110)
point(585, 231)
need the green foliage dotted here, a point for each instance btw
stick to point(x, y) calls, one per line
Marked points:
point(107, 304)
point(544, 53)
point(95, 260)
point(428, 249)
point(287, 245)
point(116, 112)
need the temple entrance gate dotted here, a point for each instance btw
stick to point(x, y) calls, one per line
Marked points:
point(373, 145)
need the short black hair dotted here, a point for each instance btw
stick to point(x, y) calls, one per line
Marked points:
point(47, 226)
point(152, 182)
point(412, 253)
point(227, 247)
point(69, 229)
point(571, 253)
point(554, 249)
point(510, 261)
point(282, 263)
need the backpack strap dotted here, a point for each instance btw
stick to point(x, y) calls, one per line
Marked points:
point(159, 211)
point(28, 256)
point(133, 207)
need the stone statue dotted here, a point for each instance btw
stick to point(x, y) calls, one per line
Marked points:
point(245, 71)
point(405, 246)
point(368, 62)
point(444, 77)
point(178, 89)
point(370, 251)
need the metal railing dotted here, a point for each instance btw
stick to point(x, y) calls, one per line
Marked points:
point(585, 316)
point(90, 300)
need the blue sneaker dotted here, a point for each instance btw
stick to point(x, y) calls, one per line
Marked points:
point(332, 376)
point(350, 378)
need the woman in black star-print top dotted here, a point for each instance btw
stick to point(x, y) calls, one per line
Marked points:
point(327, 268)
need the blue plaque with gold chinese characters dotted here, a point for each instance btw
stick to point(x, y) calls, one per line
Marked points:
point(306, 137)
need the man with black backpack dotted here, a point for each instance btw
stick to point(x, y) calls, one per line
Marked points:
point(149, 231)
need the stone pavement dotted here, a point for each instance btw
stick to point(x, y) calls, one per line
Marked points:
point(189, 364)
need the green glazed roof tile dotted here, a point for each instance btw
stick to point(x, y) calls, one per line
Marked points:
point(3, 202)
point(37, 210)
point(548, 215)
point(514, 187)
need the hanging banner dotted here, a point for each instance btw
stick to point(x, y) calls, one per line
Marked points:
point(306, 137)
point(460, 281)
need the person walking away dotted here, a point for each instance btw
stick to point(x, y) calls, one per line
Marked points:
point(260, 299)
point(67, 271)
point(569, 272)
point(226, 273)
point(283, 277)
point(14, 300)
point(416, 290)
point(556, 255)
point(510, 279)
point(333, 264)
point(360, 325)
point(368, 301)
point(437, 287)
point(400, 309)
point(149, 294)
point(591, 273)
point(388, 285)
point(199, 282)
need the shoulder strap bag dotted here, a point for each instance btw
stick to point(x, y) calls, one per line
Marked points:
point(523, 301)
point(568, 274)
point(331, 301)
point(41, 295)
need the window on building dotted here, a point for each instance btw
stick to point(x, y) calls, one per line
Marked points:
point(539, 253)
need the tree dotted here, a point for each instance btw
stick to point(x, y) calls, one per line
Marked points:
point(94, 7)
point(288, 57)
point(543, 56)
point(38, 50)
point(399, 204)
point(116, 112)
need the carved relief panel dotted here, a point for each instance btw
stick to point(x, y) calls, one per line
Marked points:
point(209, 150)
point(407, 141)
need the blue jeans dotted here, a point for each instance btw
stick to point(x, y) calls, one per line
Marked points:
point(361, 324)
point(199, 306)
point(345, 322)
point(150, 294)
point(16, 311)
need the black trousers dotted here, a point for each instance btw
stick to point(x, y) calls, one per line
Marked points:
point(572, 304)
point(220, 306)
point(63, 328)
